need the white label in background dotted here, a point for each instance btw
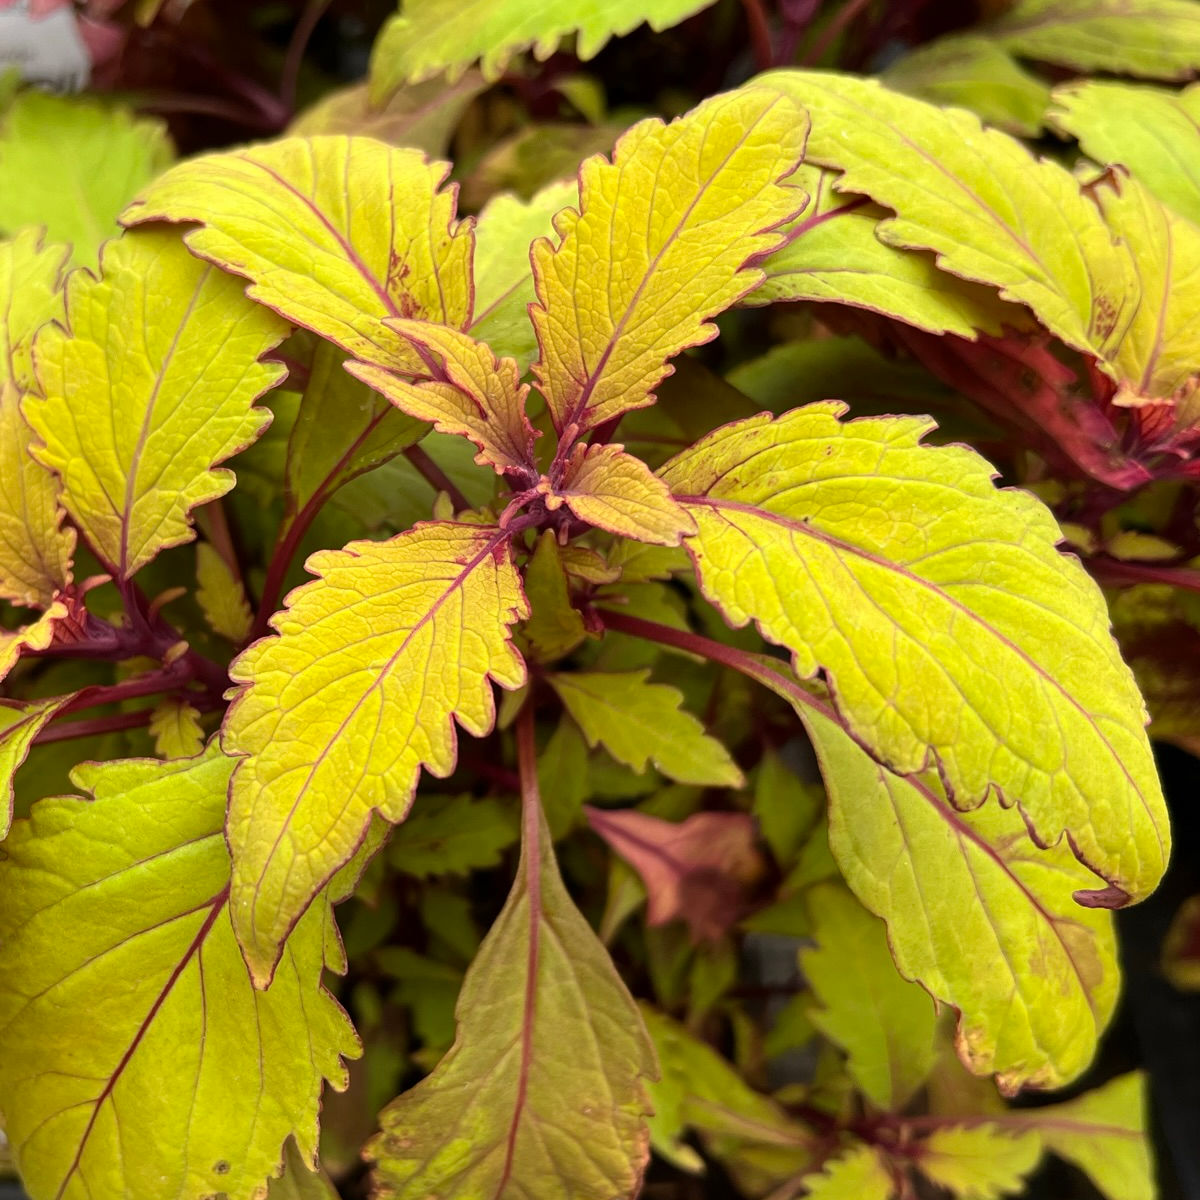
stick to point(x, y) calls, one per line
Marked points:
point(41, 39)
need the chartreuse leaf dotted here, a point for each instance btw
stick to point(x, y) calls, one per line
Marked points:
point(859, 1174)
point(35, 550)
point(221, 596)
point(71, 165)
point(335, 233)
point(977, 197)
point(833, 254)
point(885, 1024)
point(612, 490)
point(19, 725)
point(454, 835)
point(543, 1093)
point(639, 722)
point(1158, 39)
point(342, 430)
point(465, 391)
point(978, 1162)
point(681, 256)
point(35, 636)
point(968, 71)
point(503, 273)
point(175, 728)
point(857, 548)
point(135, 432)
point(448, 35)
point(115, 920)
point(372, 663)
point(554, 627)
point(1152, 131)
point(976, 913)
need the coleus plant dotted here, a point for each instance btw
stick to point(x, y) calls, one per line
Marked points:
point(164, 1029)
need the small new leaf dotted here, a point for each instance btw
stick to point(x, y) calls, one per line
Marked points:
point(175, 728)
point(115, 919)
point(856, 547)
point(696, 199)
point(639, 722)
point(543, 1094)
point(19, 725)
point(135, 431)
point(335, 233)
point(372, 663)
point(221, 596)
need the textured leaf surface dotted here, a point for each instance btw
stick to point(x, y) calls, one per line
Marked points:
point(979, 1162)
point(977, 914)
point(977, 197)
point(885, 1025)
point(543, 1092)
point(334, 233)
point(135, 431)
point(857, 1175)
point(503, 273)
point(465, 391)
point(639, 722)
point(372, 664)
point(694, 870)
point(221, 596)
point(126, 1014)
point(452, 836)
point(858, 549)
point(973, 72)
point(1158, 39)
point(1152, 131)
point(35, 551)
point(833, 254)
point(72, 165)
point(612, 490)
point(19, 725)
point(694, 200)
point(447, 35)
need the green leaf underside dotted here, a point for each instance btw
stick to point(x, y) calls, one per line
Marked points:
point(683, 249)
point(114, 920)
point(639, 722)
point(1158, 39)
point(857, 548)
point(1152, 131)
point(334, 233)
point(448, 35)
point(135, 432)
point(19, 725)
point(372, 663)
point(544, 1089)
point(35, 550)
point(976, 197)
point(976, 914)
point(834, 255)
point(71, 165)
point(885, 1025)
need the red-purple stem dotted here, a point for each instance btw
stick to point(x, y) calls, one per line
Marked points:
point(760, 34)
point(436, 477)
point(829, 34)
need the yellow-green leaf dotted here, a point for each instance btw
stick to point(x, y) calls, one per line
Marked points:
point(612, 490)
point(175, 728)
point(503, 274)
point(859, 1174)
point(976, 197)
point(19, 725)
point(859, 549)
point(135, 430)
point(969, 71)
point(639, 722)
point(978, 1162)
point(833, 254)
point(1157, 39)
point(543, 1092)
point(221, 596)
point(447, 35)
point(554, 627)
point(694, 200)
point(464, 389)
point(977, 914)
point(37, 635)
point(115, 920)
point(71, 165)
point(335, 233)
point(1152, 131)
point(31, 295)
point(885, 1024)
point(372, 664)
